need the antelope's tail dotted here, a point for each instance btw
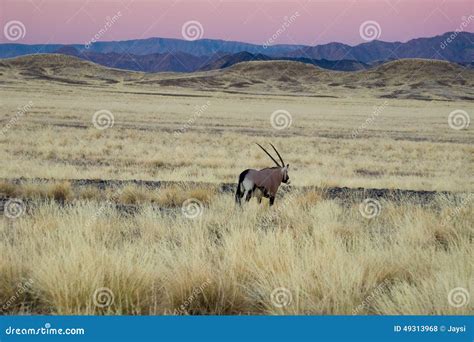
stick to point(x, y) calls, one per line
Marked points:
point(239, 193)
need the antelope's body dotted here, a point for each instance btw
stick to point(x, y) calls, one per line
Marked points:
point(262, 183)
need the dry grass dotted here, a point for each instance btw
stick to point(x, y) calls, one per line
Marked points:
point(172, 195)
point(229, 261)
point(355, 140)
point(59, 191)
point(167, 196)
point(8, 189)
point(331, 259)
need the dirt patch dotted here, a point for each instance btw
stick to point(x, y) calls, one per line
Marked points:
point(345, 194)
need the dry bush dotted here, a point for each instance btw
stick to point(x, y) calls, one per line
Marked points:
point(171, 196)
point(91, 193)
point(175, 195)
point(203, 194)
point(60, 191)
point(8, 189)
point(309, 198)
point(132, 194)
point(34, 190)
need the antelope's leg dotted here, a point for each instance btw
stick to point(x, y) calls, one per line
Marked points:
point(249, 195)
point(272, 199)
point(259, 195)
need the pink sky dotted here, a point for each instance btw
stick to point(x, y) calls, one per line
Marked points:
point(319, 21)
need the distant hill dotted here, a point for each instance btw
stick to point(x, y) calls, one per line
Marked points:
point(156, 62)
point(408, 78)
point(468, 65)
point(229, 60)
point(165, 54)
point(56, 68)
point(10, 50)
point(403, 79)
point(460, 49)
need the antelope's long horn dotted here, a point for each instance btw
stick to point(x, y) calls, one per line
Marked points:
point(282, 162)
point(264, 150)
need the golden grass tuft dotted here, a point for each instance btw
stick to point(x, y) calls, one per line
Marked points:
point(61, 191)
point(132, 194)
point(205, 195)
point(175, 195)
point(8, 189)
point(309, 198)
point(91, 193)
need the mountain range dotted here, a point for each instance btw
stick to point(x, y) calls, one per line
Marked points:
point(185, 62)
point(176, 55)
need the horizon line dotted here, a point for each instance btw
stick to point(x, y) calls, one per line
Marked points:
point(243, 42)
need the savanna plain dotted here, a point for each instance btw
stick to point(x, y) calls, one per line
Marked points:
point(117, 190)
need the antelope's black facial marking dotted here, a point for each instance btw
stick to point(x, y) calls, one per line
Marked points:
point(286, 178)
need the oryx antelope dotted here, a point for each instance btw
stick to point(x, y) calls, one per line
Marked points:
point(264, 182)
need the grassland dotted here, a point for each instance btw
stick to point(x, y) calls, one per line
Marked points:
point(314, 254)
point(323, 255)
